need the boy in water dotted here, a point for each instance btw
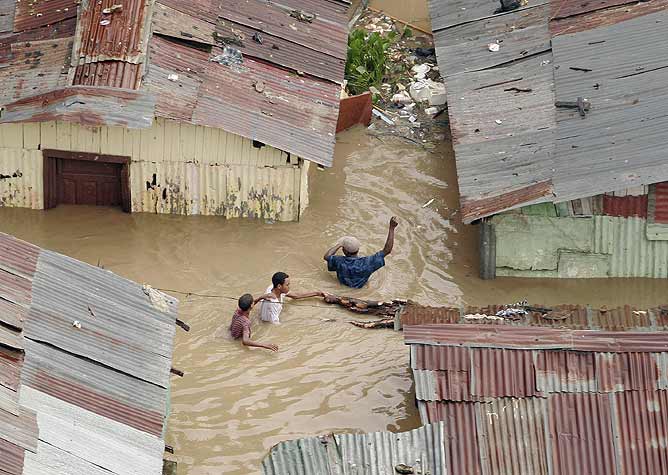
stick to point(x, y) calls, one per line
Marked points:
point(272, 304)
point(240, 328)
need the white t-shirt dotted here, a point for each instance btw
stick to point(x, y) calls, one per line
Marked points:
point(271, 309)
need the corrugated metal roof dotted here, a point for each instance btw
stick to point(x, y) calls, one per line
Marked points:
point(95, 388)
point(590, 410)
point(11, 458)
point(118, 35)
point(108, 73)
point(512, 432)
point(92, 106)
point(660, 210)
point(641, 425)
point(565, 372)
point(581, 434)
point(36, 14)
point(119, 328)
point(509, 159)
point(80, 390)
point(516, 337)
point(376, 453)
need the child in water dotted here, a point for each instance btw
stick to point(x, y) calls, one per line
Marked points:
point(240, 328)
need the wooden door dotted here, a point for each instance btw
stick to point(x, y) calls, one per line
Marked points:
point(82, 182)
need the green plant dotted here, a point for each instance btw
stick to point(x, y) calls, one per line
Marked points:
point(366, 60)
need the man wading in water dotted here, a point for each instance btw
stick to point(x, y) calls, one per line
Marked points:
point(272, 301)
point(353, 270)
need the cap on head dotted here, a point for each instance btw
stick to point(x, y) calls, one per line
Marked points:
point(351, 245)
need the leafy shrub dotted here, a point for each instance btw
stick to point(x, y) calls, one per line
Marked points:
point(366, 60)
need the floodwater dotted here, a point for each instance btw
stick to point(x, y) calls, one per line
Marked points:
point(414, 12)
point(234, 403)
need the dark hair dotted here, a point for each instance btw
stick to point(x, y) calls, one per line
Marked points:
point(279, 278)
point(245, 302)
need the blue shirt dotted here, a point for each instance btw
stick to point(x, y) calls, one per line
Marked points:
point(355, 271)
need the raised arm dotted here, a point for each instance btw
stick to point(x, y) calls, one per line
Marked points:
point(333, 250)
point(245, 339)
point(389, 243)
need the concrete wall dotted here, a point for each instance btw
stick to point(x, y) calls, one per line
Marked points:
point(175, 168)
point(586, 247)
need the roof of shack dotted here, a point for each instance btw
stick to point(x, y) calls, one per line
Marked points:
point(543, 400)
point(269, 72)
point(85, 359)
point(513, 146)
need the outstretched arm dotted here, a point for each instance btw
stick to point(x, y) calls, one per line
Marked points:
point(305, 295)
point(263, 297)
point(333, 250)
point(245, 339)
point(389, 243)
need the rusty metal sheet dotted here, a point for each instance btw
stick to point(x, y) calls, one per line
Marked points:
point(593, 16)
point(565, 372)
point(415, 314)
point(10, 368)
point(10, 338)
point(621, 318)
point(515, 337)
point(36, 14)
point(576, 317)
point(513, 436)
point(499, 372)
point(450, 358)
point(449, 13)
point(118, 74)
point(625, 206)
point(290, 112)
point(582, 440)
point(626, 371)
point(94, 387)
point(641, 426)
point(174, 75)
point(115, 36)
point(660, 208)
point(283, 52)
point(120, 326)
point(12, 314)
point(623, 136)
point(171, 22)
point(11, 458)
point(15, 288)
point(327, 33)
point(7, 9)
point(85, 105)
point(18, 257)
point(462, 451)
point(35, 67)
point(19, 430)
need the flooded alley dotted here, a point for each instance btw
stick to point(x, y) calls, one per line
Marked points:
point(234, 404)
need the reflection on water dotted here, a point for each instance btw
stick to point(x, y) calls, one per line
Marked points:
point(233, 404)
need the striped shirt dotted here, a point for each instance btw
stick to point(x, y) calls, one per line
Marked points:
point(240, 322)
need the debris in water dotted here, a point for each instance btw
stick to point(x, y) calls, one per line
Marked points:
point(383, 323)
point(382, 116)
point(428, 203)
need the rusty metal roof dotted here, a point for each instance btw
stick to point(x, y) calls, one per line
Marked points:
point(376, 453)
point(577, 317)
point(285, 92)
point(548, 408)
point(85, 105)
point(512, 145)
point(91, 359)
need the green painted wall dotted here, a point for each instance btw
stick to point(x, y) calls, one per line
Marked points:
point(535, 245)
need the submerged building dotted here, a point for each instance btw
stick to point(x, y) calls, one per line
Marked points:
point(213, 108)
point(557, 110)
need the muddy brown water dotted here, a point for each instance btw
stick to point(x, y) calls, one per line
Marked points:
point(233, 403)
